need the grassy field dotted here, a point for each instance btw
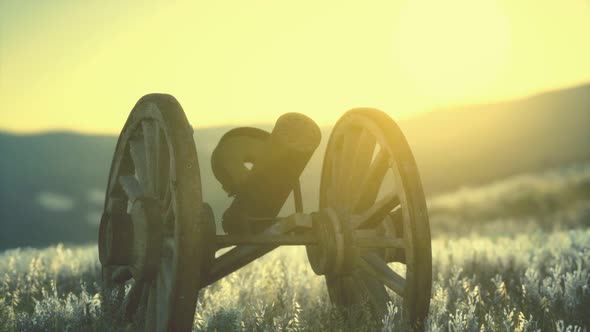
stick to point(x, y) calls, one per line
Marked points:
point(511, 256)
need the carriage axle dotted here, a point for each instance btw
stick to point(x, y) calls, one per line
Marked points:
point(134, 240)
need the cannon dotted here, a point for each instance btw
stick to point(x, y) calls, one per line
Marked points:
point(158, 238)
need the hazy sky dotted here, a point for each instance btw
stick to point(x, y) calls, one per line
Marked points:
point(81, 65)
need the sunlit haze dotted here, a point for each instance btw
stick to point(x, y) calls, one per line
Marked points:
point(81, 65)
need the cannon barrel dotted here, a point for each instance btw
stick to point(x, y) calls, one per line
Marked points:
point(274, 174)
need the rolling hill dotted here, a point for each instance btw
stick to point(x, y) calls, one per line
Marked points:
point(51, 184)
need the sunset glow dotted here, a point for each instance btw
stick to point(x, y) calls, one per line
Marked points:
point(81, 66)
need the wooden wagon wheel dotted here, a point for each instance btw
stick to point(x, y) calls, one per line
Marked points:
point(370, 179)
point(154, 229)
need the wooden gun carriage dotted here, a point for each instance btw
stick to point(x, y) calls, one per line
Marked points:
point(159, 237)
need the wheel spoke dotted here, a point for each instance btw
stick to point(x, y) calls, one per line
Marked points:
point(151, 136)
point(151, 309)
point(396, 219)
point(163, 181)
point(168, 216)
point(167, 207)
point(362, 159)
point(168, 219)
point(375, 266)
point(376, 213)
point(166, 199)
point(393, 226)
point(374, 289)
point(125, 167)
point(137, 151)
point(345, 160)
point(134, 299)
point(168, 248)
point(371, 182)
point(331, 195)
point(163, 288)
point(368, 238)
point(334, 184)
point(165, 275)
point(131, 186)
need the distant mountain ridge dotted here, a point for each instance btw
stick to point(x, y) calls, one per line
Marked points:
point(476, 144)
point(51, 183)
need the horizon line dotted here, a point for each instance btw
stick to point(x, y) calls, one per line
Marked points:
point(457, 106)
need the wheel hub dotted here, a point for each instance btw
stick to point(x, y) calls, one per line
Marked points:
point(133, 239)
point(335, 252)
